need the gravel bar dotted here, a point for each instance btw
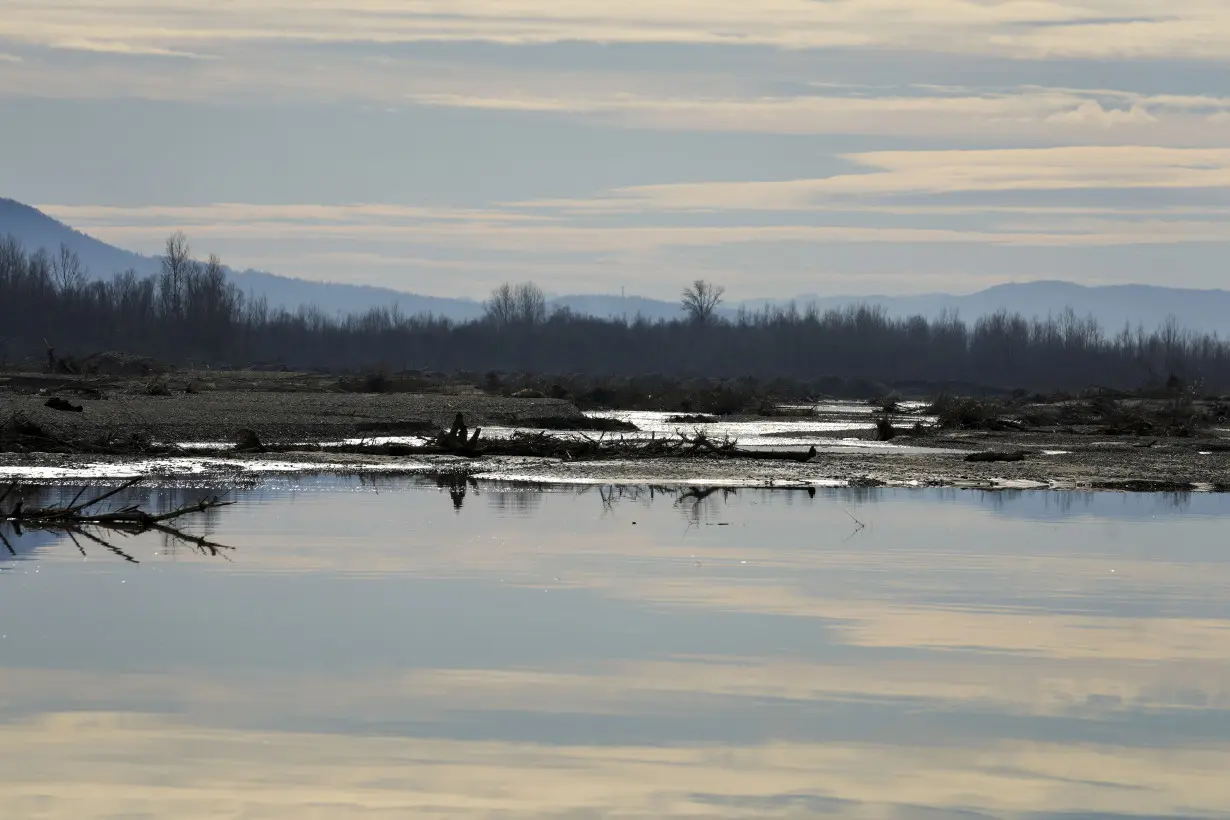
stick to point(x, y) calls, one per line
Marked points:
point(274, 416)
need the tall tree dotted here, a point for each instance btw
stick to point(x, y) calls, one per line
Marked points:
point(67, 271)
point(531, 304)
point(523, 304)
point(700, 301)
point(500, 309)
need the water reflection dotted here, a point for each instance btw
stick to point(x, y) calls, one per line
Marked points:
point(394, 649)
point(32, 517)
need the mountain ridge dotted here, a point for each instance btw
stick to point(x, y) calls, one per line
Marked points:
point(1206, 310)
point(35, 229)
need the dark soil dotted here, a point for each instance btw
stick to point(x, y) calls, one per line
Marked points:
point(1134, 443)
point(280, 408)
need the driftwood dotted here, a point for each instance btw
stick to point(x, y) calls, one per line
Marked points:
point(458, 440)
point(84, 520)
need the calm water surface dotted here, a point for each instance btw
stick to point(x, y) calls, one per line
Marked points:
point(392, 648)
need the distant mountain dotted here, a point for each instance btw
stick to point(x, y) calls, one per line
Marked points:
point(1207, 311)
point(617, 307)
point(339, 298)
point(1201, 310)
point(35, 229)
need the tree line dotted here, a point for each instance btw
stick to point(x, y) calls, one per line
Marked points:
point(189, 313)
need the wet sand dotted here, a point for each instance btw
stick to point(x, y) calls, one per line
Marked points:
point(1104, 467)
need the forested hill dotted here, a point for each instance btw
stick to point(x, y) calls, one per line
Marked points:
point(1203, 311)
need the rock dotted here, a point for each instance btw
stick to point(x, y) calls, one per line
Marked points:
point(529, 394)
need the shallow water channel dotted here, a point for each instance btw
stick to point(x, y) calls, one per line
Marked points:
point(383, 647)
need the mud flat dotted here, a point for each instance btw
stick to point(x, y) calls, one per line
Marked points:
point(312, 424)
point(276, 409)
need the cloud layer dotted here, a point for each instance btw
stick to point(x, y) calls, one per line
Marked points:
point(894, 127)
point(1017, 28)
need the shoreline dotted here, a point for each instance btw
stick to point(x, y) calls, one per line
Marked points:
point(852, 470)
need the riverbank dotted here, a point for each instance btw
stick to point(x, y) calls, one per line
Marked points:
point(1103, 467)
point(311, 424)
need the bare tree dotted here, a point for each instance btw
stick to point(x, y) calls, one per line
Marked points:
point(501, 308)
point(67, 272)
point(40, 269)
point(700, 301)
point(176, 265)
point(531, 304)
point(859, 345)
point(523, 304)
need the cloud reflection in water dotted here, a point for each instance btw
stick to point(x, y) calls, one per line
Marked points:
point(378, 652)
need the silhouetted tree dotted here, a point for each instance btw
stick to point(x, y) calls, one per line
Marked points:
point(67, 271)
point(531, 304)
point(190, 311)
point(700, 300)
point(176, 261)
point(523, 304)
point(501, 307)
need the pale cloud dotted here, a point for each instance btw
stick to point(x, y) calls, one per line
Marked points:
point(1025, 111)
point(936, 172)
point(570, 239)
point(626, 234)
point(1141, 142)
point(269, 50)
point(571, 244)
point(1091, 112)
point(671, 100)
point(374, 214)
point(120, 47)
point(1023, 29)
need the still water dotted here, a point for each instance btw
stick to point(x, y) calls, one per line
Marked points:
point(393, 648)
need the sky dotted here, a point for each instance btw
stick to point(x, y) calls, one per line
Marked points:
point(778, 148)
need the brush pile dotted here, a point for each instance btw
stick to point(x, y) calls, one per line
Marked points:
point(577, 446)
